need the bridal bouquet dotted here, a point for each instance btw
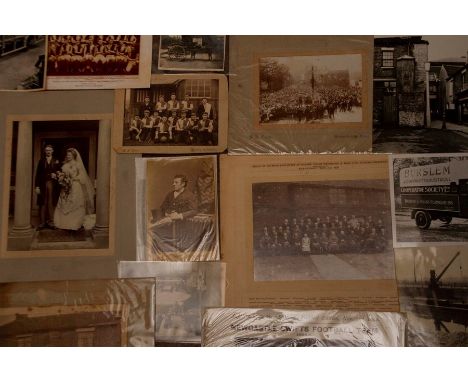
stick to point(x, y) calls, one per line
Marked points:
point(65, 181)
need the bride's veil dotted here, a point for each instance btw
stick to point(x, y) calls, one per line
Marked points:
point(86, 183)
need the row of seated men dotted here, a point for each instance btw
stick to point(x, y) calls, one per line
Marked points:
point(174, 122)
point(93, 54)
point(332, 235)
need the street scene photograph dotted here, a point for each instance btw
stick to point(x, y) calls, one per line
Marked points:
point(310, 89)
point(192, 53)
point(337, 230)
point(420, 94)
point(430, 203)
point(22, 62)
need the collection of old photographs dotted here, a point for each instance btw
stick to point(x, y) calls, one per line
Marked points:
point(314, 220)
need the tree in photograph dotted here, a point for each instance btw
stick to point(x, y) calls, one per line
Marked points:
point(276, 76)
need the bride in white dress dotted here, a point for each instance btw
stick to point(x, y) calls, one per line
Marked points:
point(77, 193)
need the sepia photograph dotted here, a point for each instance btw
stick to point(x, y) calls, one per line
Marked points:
point(420, 95)
point(95, 62)
point(183, 291)
point(309, 90)
point(433, 289)
point(181, 200)
point(429, 199)
point(59, 176)
point(322, 230)
point(84, 313)
point(177, 114)
point(192, 53)
point(22, 62)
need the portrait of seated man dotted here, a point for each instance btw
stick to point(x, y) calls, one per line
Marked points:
point(181, 209)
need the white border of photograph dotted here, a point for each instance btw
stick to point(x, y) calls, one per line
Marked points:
point(415, 244)
point(141, 80)
point(189, 69)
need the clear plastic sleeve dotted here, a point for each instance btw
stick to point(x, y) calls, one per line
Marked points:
point(300, 94)
point(296, 328)
point(177, 208)
point(78, 313)
point(183, 291)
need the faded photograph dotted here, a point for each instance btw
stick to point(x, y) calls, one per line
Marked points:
point(183, 291)
point(22, 62)
point(433, 289)
point(430, 203)
point(420, 94)
point(90, 55)
point(182, 209)
point(337, 230)
point(77, 313)
point(310, 89)
point(192, 53)
point(61, 326)
point(173, 112)
point(54, 199)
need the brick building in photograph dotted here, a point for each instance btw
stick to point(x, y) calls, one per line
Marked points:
point(457, 95)
point(400, 81)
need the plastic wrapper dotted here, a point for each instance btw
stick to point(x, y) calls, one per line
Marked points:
point(183, 291)
point(296, 328)
point(78, 313)
point(434, 295)
point(300, 94)
point(177, 209)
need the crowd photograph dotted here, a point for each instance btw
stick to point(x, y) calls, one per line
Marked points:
point(310, 89)
point(89, 55)
point(177, 112)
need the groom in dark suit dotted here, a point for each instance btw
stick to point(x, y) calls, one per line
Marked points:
point(46, 186)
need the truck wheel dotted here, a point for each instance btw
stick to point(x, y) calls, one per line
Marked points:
point(446, 219)
point(423, 219)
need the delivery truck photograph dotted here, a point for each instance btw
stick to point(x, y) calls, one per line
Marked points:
point(429, 199)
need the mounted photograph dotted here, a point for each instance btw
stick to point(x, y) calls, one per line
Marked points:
point(59, 175)
point(98, 61)
point(177, 114)
point(420, 100)
point(22, 62)
point(310, 90)
point(429, 199)
point(181, 207)
point(192, 53)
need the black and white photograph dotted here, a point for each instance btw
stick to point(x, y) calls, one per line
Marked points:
point(182, 209)
point(192, 53)
point(320, 89)
point(98, 61)
point(59, 179)
point(339, 230)
point(433, 289)
point(22, 62)
point(429, 199)
point(178, 114)
point(420, 94)
point(183, 291)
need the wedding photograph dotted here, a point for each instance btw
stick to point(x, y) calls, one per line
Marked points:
point(59, 185)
